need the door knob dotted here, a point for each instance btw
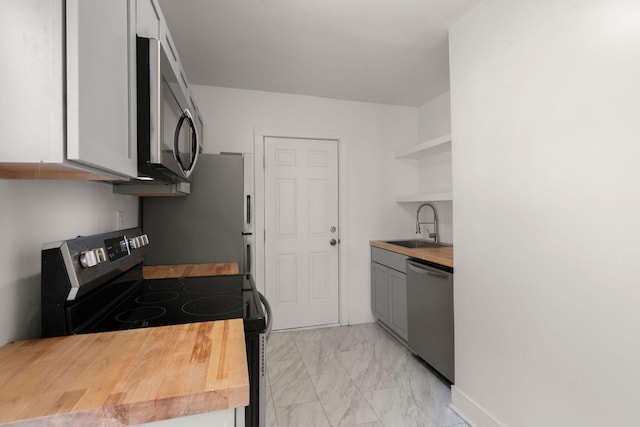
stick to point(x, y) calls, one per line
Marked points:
point(333, 242)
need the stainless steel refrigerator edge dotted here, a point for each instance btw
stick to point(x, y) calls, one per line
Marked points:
point(213, 224)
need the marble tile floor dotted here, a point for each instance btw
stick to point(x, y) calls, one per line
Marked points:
point(351, 376)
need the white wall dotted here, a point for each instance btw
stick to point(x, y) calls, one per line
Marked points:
point(371, 133)
point(545, 100)
point(434, 170)
point(434, 117)
point(37, 212)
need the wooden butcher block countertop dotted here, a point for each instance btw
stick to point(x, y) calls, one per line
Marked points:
point(124, 377)
point(189, 270)
point(442, 255)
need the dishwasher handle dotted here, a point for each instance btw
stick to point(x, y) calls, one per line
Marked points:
point(423, 269)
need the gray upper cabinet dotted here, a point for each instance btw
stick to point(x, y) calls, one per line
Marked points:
point(68, 93)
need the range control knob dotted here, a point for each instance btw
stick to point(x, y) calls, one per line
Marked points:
point(135, 243)
point(138, 241)
point(92, 257)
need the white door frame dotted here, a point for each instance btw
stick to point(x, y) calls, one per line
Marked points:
point(260, 133)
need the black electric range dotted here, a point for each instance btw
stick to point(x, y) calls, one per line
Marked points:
point(95, 284)
point(160, 302)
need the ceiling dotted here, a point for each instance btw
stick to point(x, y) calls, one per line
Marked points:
point(382, 51)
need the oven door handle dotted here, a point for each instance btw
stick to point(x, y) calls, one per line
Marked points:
point(267, 308)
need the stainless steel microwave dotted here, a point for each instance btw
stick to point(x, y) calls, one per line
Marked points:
point(168, 124)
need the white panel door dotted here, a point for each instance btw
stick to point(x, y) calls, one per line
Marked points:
point(301, 231)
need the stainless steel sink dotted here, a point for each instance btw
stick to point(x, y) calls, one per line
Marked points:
point(414, 243)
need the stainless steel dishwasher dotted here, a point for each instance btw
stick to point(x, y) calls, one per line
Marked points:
point(430, 307)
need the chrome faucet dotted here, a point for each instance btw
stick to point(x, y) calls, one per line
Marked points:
point(433, 235)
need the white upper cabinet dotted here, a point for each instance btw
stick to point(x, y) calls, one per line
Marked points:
point(68, 93)
point(148, 19)
point(32, 82)
point(101, 114)
point(150, 23)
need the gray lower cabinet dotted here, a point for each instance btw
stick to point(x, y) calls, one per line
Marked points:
point(380, 292)
point(399, 316)
point(389, 290)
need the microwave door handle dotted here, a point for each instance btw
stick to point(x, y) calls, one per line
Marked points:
point(176, 141)
point(195, 141)
point(186, 116)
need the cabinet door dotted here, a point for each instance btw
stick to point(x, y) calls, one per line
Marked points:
point(398, 316)
point(101, 84)
point(380, 292)
point(169, 47)
point(32, 74)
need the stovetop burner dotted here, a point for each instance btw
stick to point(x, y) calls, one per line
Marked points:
point(157, 297)
point(142, 314)
point(220, 305)
point(203, 287)
point(166, 284)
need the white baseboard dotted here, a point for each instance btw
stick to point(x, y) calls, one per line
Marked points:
point(470, 411)
point(358, 317)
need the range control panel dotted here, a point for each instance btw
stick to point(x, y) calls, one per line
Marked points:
point(117, 248)
point(91, 260)
point(122, 246)
point(112, 249)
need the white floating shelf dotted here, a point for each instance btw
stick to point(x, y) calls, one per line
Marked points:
point(425, 197)
point(421, 149)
